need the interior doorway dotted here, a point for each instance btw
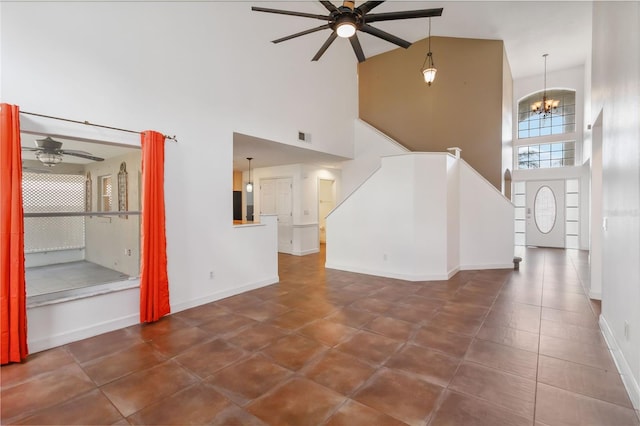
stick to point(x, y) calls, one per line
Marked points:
point(326, 203)
point(276, 197)
point(545, 213)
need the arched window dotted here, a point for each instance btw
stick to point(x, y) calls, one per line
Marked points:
point(559, 120)
point(535, 124)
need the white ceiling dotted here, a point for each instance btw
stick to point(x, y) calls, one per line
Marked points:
point(529, 29)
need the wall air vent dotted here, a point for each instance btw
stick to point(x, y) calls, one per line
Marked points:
point(304, 137)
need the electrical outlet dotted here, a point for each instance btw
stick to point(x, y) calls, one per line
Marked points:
point(127, 252)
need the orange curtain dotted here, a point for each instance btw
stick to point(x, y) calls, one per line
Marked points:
point(13, 296)
point(154, 284)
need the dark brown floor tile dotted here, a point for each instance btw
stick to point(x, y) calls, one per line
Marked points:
point(456, 324)
point(355, 414)
point(582, 379)
point(226, 324)
point(327, 332)
point(369, 347)
point(565, 301)
point(43, 391)
point(400, 396)
point(91, 408)
point(518, 308)
point(393, 293)
point(390, 327)
point(432, 366)
point(457, 409)
point(506, 390)
point(581, 353)
point(372, 304)
point(294, 351)
point(263, 311)
point(293, 319)
point(473, 298)
point(236, 416)
point(442, 340)
point(238, 301)
point(529, 296)
point(442, 292)
point(269, 292)
point(256, 337)
point(576, 333)
point(411, 314)
point(559, 407)
point(176, 342)
point(201, 314)
point(511, 360)
point(424, 304)
point(340, 372)
point(465, 310)
point(134, 392)
point(351, 317)
point(153, 330)
point(524, 320)
point(210, 357)
point(582, 319)
point(248, 379)
point(35, 364)
point(104, 344)
point(196, 405)
point(510, 337)
point(284, 406)
point(111, 367)
point(483, 286)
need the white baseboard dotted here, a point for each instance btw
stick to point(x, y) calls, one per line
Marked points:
point(630, 382)
point(452, 272)
point(486, 266)
point(595, 295)
point(388, 274)
point(181, 306)
point(305, 252)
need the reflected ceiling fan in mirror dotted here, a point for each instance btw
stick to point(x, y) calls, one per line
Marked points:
point(49, 152)
point(345, 21)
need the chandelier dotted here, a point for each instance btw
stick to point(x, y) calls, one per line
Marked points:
point(545, 106)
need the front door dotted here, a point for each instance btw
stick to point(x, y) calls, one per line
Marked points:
point(545, 213)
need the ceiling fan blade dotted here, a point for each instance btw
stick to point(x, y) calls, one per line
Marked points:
point(385, 36)
point(330, 6)
point(301, 33)
point(290, 12)
point(407, 14)
point(325, 46)
point(357, 48)
point(366, 7)
point(26, 148)
point(81, 154)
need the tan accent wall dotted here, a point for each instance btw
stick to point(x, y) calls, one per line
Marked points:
point(463, 107)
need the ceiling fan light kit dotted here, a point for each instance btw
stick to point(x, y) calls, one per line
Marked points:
point(49, 152)
point(345, 21)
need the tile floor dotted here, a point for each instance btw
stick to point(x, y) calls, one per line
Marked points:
point(333, 348)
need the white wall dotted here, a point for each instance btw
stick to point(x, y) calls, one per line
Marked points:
point(421, 216)
point(616, 93)
point(486, 223)
point(304, 179)
point(107, 238)
point(172, 67)
point(370, 145)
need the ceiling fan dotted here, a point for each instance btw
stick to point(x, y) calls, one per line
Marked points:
point(49, 152)
point(346, 20)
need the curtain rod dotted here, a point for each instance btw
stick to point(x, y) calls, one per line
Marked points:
point(173, 138)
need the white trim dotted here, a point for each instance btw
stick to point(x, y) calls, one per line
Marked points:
point(626, 374)
point(387, 274)
point(305, 252)
point(595, 295)
point(178, 307)
point(485, 266)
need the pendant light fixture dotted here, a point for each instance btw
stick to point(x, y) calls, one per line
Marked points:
point(428, 67)
point(250, 183)
point(545, 106)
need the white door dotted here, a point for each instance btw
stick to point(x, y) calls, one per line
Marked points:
point(326, 203)
point(276, 198)
point(545, 212)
